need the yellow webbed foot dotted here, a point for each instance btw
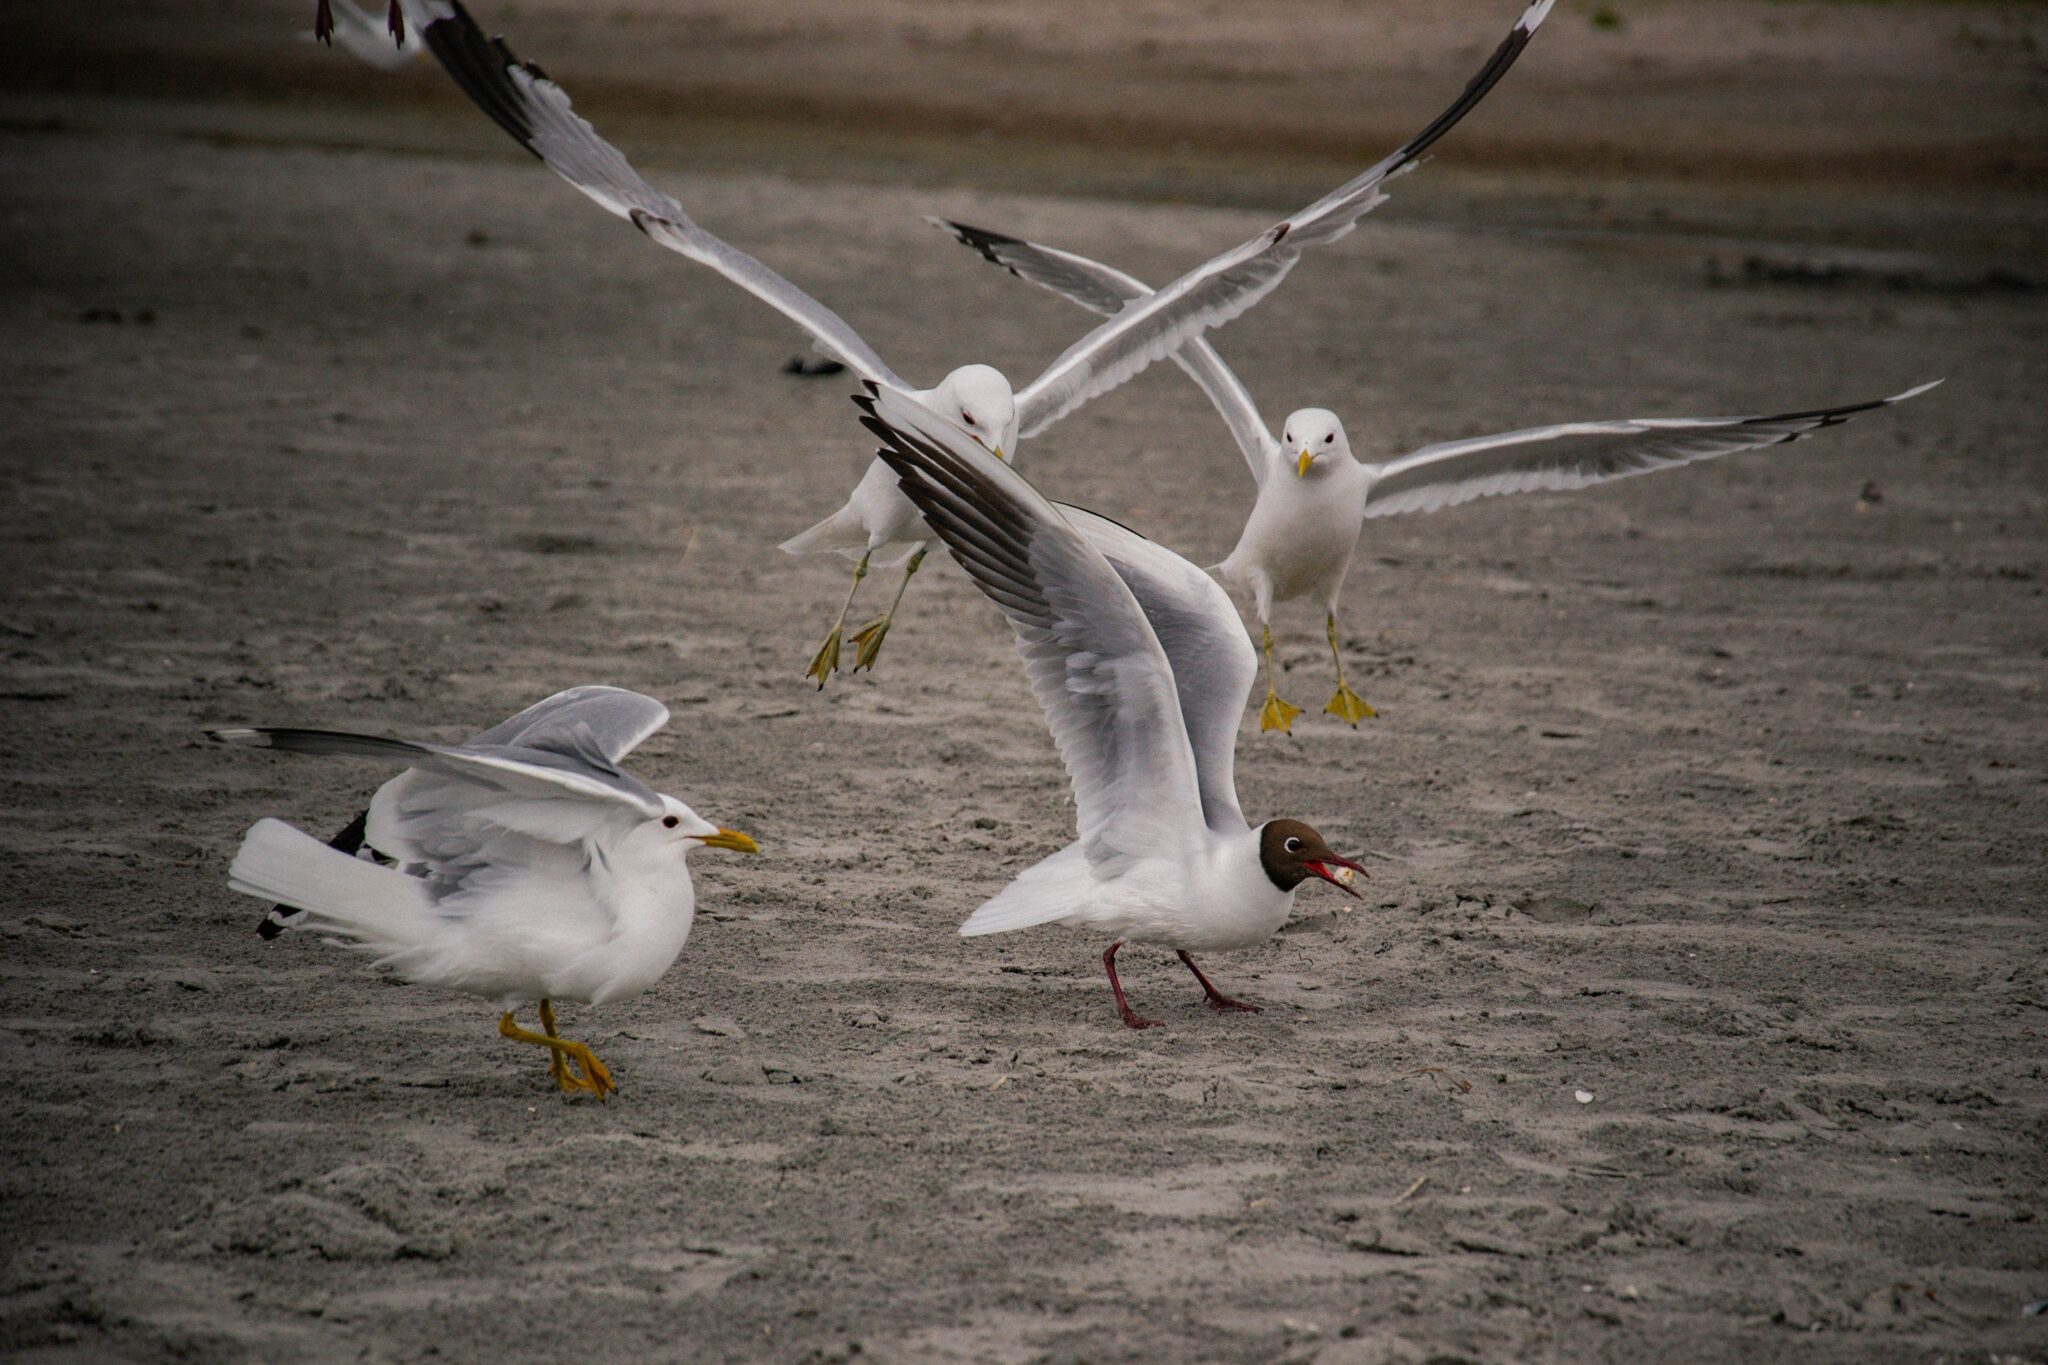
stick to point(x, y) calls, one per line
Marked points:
point(867, 643)
point(1277, 714)
point(596, 1079)
point(826, 661)
point(1348, 707)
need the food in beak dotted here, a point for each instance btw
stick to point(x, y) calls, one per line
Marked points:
point(732, 839)
point(1347, 871)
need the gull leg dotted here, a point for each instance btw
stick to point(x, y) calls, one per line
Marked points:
point(826, 661)
point(1275, 714)
point(1131, 1018)
point(595, 1077)
point(558, 1064)
point(1347, 705)
point(867, 640)
point(1218, 1001)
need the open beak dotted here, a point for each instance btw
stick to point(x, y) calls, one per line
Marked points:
point(1301, 465)
point(1343, 884)
point(732, 839)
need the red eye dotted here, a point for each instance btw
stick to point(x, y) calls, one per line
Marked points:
point(669, 822)
point(967, 417)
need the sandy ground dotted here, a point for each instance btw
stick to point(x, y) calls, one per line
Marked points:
point(1715, 796)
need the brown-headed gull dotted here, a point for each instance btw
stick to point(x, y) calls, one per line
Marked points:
point(521, 866)
point(1142, 668)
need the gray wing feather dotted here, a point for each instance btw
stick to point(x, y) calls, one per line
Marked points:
point(617, 721)
point(1105, 289)
point(1219, 290)
point(1576, 454)
point(536, 112)
point(1093, 661)
point(1214, 665)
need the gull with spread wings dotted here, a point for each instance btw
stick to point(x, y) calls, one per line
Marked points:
point(1314, 494)
point(1143, 669)
point(876, 525)
point(521, 866)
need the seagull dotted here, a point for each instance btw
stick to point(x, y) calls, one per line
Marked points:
point(520, 866)
point(876, 526)
point(1314, 494)
point(1143, 669)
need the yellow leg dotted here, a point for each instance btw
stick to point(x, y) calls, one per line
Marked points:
point(595, 1078)
point(867, 640)
point(826, 661)
point(1275, 714)
point(1346, 705)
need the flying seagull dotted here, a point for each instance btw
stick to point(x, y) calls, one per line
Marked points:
point(1314, 495)
point(877, 526)
point(520, 866)
point(1142, 668)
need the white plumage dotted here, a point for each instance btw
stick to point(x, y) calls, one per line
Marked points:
point(521, 866)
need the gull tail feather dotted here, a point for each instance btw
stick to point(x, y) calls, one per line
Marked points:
point(380, 908)
point(840, 533)
point(1047, 892)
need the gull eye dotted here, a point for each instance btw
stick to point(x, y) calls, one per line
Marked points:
point(968, 418)
point(1292, 845)
point(1288, 437)
point(1329, 438)
point(669, 822)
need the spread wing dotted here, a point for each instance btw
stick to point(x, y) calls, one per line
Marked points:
point(1213, 663)
point(1213, 293)
point(1105, 289)
point(1575, 454)
point(618, 721)
point(1092, 658)
point(575, 775)
point(536, 112)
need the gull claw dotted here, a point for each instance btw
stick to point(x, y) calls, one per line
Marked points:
point(826, 661)
point(1348, 707)
point(867, 642)
point(1277, 714)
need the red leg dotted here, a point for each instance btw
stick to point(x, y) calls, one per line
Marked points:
point(1217, 999)
point(1131, 1018)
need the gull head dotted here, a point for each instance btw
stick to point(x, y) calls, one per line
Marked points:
point(1313, 442)
point(680, 829)
point(981, 401)
point(1292, 852)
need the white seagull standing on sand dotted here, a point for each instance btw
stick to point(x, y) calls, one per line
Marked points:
point(876, 525)
point(520, 866)
point(1314, 494)
point(1143, 670)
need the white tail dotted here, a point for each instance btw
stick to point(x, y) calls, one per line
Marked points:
point(839, 533)
point(381, 908)
point(1047, 891)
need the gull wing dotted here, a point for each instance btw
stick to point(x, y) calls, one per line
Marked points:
point(520, 774)
point(1217, 291)
point(618, 722)
point(1093, 660)
point(1105, 289)
point(536, 112)
point(1213, 663)
point(1575, 454)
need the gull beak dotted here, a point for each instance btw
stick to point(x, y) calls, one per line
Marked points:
point(1342, 878)
point(997, 451)
point(1301, 465)
point(732, 839)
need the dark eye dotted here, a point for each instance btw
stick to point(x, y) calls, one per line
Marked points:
point(1294, 845)
point(1287, 436)
point(967, 417)
point(669, 822)
point(1331, 437)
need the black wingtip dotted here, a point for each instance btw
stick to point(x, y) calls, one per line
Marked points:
point(272, 925)
point(323, 23)
point(394, 20)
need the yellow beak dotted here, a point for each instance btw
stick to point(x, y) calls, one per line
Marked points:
point(999, 452)
point(1301, 465)
point(732, 839)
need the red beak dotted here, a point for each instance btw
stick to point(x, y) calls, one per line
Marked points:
point(1323, 871)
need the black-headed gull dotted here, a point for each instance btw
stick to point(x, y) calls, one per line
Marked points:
point(1143, 669)
point(520, 866)
point(1314, 495)
point(876, 526)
